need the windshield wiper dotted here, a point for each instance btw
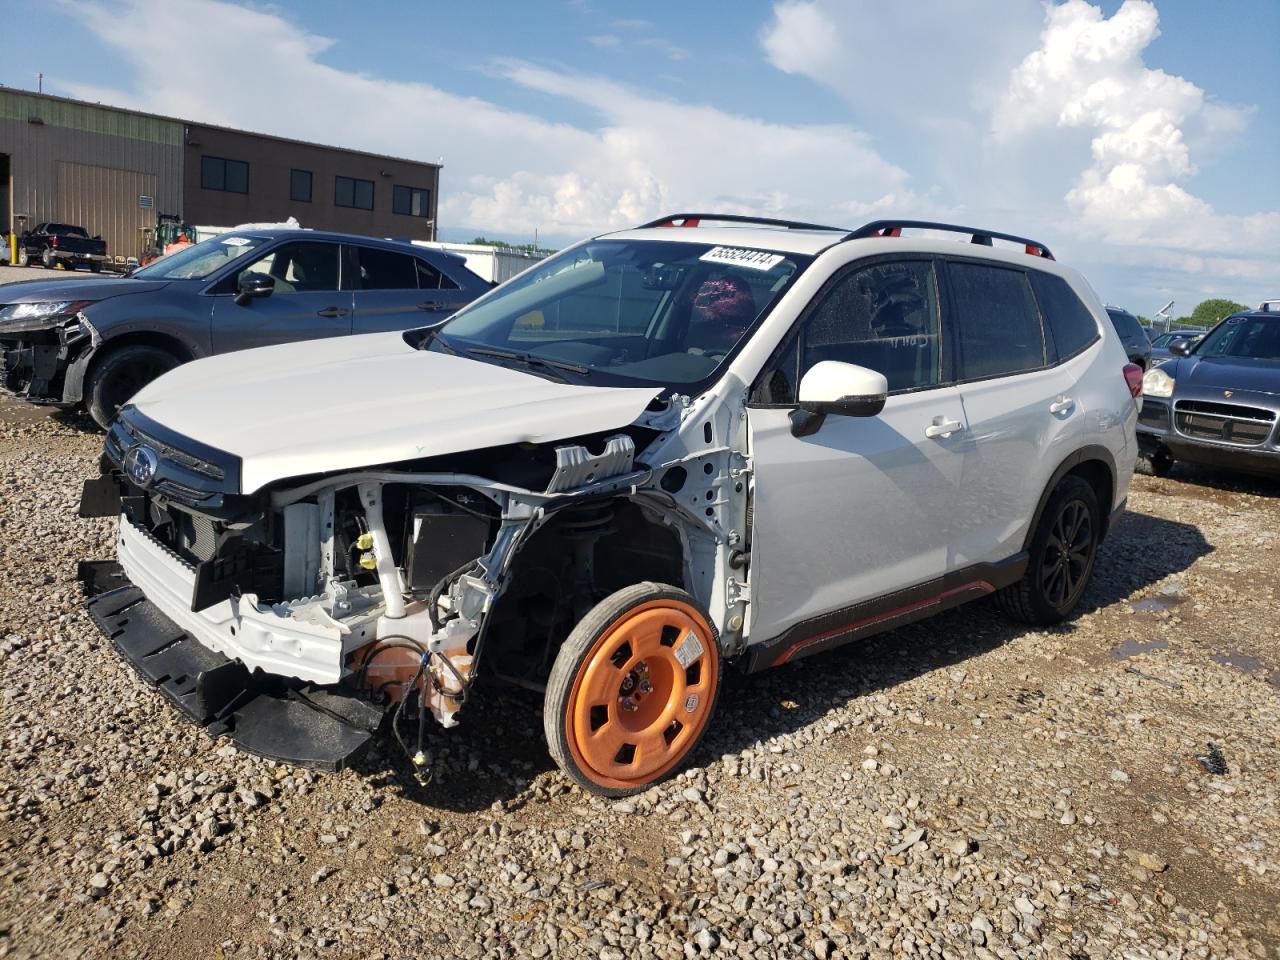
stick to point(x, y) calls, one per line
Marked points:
point(529, 360)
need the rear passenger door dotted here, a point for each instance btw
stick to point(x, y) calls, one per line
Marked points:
point(1023, 410)
point(398, 291)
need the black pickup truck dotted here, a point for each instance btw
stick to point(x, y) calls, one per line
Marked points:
point(64, 243)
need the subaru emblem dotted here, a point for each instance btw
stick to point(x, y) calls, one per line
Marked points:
point(140, 464)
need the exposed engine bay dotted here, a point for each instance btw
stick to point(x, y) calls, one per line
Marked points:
point(402, 585)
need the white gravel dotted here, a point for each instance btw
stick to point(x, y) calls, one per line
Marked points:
point(962, 788)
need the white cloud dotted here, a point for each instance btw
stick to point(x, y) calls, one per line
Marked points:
point(1088, 74)
point(506, 172)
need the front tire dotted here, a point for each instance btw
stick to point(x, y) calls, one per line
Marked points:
point(1063, 551)
point(24, 258)
point(121, 374)
point(632, 690)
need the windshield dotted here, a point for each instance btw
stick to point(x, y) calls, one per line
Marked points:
point(627, 311)
point(202, 260)
point(1255, 338)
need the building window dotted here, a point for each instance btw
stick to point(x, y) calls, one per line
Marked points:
point(300, 185)
point(411, 201)
point(218, 173)
point(348, 192)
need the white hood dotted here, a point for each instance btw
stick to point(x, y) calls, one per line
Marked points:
point(349, 402)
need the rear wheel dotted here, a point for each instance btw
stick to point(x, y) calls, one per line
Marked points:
point(121, 374)
point(46, 258)
point(95, 267)
point(1062, 551)
point(632, 689)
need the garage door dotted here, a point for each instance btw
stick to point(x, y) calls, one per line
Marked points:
point(104, 200)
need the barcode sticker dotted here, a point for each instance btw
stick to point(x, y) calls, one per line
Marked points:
point(690, 649)
point(739, 257)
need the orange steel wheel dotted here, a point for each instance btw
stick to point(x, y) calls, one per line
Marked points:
point(632, 689)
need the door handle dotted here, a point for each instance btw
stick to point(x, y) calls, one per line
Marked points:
point(433, 305)
point(942, 427)
point(1062, 405)
point(332, 312)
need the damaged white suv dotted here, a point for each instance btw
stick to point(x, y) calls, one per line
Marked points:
point(708, 439)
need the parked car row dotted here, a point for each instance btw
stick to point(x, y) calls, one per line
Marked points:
point(658, 452)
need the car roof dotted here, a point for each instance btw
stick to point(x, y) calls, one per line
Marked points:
point(880, 236)
point(269, 233)
point(1259, 314)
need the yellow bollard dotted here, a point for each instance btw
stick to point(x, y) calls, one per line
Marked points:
point(13, 249)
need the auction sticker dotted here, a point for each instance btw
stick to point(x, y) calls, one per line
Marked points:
point(740, 257)
point(690, 649)
point(236, 241)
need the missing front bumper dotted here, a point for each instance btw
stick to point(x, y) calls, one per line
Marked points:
point(311, 726)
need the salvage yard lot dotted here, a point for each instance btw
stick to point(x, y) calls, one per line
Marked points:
point(961, 787)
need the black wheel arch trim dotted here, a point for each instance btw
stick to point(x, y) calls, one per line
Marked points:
point(1083, 455)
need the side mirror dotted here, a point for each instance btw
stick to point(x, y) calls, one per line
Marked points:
point(253, 286)
point(1180, 347)
point(840, 389)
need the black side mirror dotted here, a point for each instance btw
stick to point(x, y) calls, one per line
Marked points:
point(1180, 347)
point(253, 286)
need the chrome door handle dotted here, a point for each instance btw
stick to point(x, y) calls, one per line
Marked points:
point(1062, 405)
point(942, 427)
point(332, 312)
point(434, 306)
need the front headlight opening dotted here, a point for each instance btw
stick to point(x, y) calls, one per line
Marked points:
point(1157, 383)
point(41, 311)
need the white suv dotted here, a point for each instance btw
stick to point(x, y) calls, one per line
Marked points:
point(707, 439)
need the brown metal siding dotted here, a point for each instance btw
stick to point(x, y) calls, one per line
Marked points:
point(76, 164)
point(270, 162)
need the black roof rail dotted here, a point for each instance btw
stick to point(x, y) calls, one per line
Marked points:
point(693, 219)
point(893, 228)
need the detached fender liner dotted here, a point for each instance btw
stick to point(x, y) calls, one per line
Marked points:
point(310, 726)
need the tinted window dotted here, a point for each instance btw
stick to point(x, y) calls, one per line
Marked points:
point(1126, 325)
point(217, 173)
point(300, 185)
point(998, 329)
point(348, 192)
point(385, 270)
point(411, 201)
point(883, 316)
point(302, 267)
point(1256, 338)
point(1071, 326)
point(429, 278)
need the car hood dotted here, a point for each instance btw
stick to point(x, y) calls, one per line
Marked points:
point(349, 402)
point(1227, 373)
point(42, 291)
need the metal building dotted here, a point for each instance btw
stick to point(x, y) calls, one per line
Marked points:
point(113, 171)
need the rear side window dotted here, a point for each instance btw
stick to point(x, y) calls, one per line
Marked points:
point(386, 270)
point(1127, 325)
point(1071, 326)
point(429, 278)
point(997, 325)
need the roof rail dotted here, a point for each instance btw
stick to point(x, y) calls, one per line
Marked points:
point(694, 219)
point(893, 228)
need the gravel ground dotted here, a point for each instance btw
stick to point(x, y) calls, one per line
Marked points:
point(962, 788)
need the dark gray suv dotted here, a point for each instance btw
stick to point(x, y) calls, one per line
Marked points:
point(97, 342)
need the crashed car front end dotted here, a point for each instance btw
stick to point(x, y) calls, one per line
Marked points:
point(44, 347)
point(301, 618)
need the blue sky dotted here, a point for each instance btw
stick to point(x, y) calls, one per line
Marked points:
point(1138, 139)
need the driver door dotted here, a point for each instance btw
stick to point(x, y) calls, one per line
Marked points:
point(312, 298)
point(863, 507)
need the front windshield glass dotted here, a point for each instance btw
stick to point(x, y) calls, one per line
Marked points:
point(202, 260)
point(1254, 338)
point(628, 311)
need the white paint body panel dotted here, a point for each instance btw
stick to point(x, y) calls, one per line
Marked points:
point(861, 508)
point(347, 402)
